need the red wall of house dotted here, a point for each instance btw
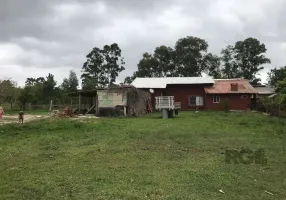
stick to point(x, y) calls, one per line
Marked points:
point(182, 92)
point(235, 102)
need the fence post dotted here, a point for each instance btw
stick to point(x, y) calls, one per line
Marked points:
point(79, 102)
point(51, 105)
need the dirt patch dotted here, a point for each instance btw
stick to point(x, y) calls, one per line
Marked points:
point(8, 119)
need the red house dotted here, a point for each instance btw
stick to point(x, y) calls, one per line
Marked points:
point(237, 92)
point(200, 92)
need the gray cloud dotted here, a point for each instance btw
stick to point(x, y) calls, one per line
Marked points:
point(39, 36)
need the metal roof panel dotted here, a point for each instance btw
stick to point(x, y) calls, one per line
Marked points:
point(162, 82)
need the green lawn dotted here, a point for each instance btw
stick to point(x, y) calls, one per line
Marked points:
point(143, 158)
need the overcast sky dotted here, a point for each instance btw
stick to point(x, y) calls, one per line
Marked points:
point(38, 37)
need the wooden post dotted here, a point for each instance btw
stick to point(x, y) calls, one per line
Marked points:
point(51, 106)
point(79, 102)
point(125, 111)
point(96, 105)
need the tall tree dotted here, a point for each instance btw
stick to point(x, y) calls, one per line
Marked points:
point(49, 87)
point(70, 84)
point(148, 66)
point(33, 86)
point(250, 55)
point(102, 67)
point(34, 81)
point(128, 80)
point(275, 75)
point(187, 59)
point(229, 65)
point(280, 98)
point(189, 53)
point(160, 64)
point(25, 97)
point(281, 86)
point(6, 90)
point(38, 90)
point(165, 58)
point(211, 65)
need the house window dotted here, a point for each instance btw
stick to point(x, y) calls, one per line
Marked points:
point(196, 101)
point(192, 100)
point(216, 99)
point(199, 101)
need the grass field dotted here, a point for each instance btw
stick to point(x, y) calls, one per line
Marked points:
point(143, 158)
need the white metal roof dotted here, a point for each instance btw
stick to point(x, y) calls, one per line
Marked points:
point(265, 90)
point(162, 82)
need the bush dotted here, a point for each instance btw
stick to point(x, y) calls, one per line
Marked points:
point(68, 112)
point(275, 106)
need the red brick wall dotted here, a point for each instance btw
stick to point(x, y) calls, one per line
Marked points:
point(235, 102)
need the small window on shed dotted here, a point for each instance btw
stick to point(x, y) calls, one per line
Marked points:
point(216, 99)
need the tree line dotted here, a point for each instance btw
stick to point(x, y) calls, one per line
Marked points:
point(37, 91)
point(189, 57)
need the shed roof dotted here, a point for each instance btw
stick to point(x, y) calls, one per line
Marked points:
point(222, 86)
point(265, 89)
point(91, 93)
point(86, 93)
point(162, 82)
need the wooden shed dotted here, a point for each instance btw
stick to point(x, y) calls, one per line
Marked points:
point(132, 101)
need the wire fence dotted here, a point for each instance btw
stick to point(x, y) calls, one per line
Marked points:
point(31, 107)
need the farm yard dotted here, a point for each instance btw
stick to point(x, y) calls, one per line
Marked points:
point(143, 158)
point(124, 102)
point(13, 118)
